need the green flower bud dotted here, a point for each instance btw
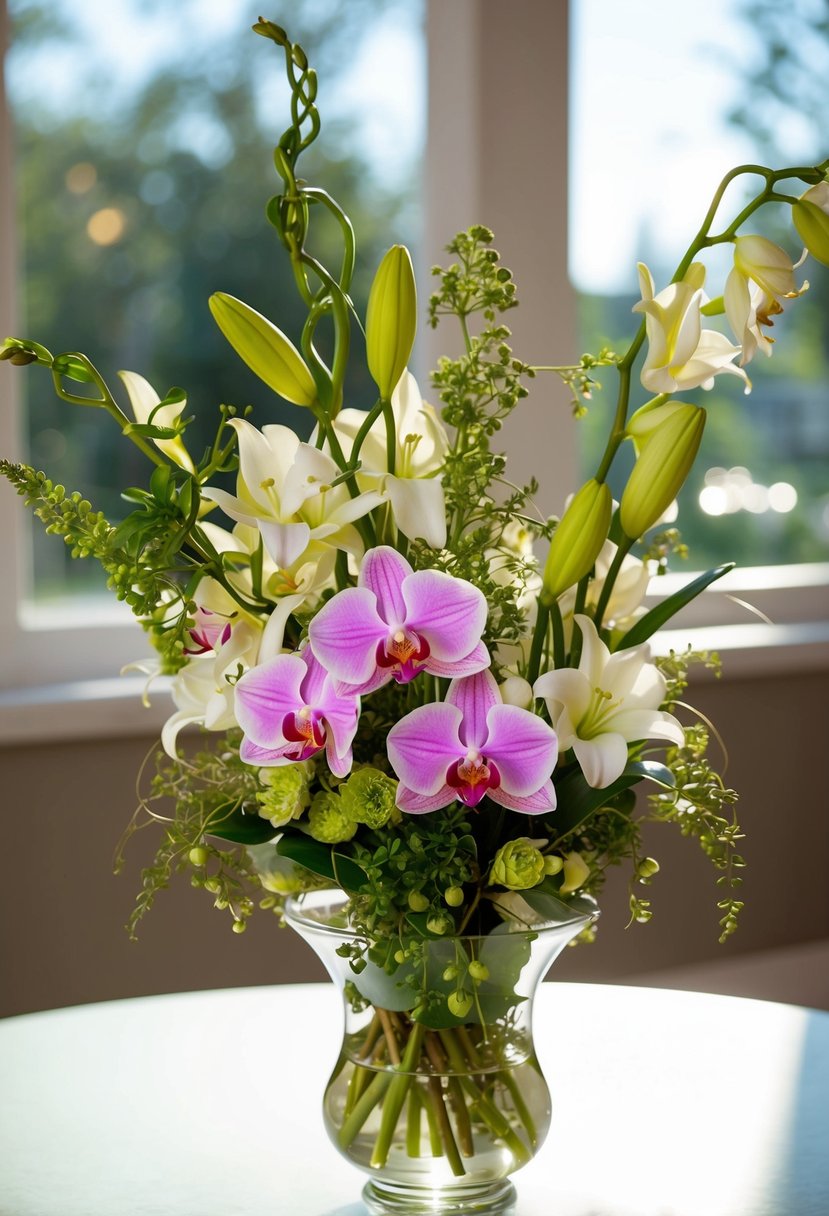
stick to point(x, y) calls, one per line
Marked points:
point(478, 971)
point(265, 349)
point(286, 795)
point(212, 885)
point(576, 873)
point(578, 538)
point(239, 926)
point(644, 422)
point(369, 797)
point(811, 219)
point(518, 865)
point(400, 957)
point(647, 867)
point(391, 319)
point(450, 973)
point(459, 1003)
point(328, 820)
point(198, 856)
point(453, 896)
point(418, 901)
point(553, 865)
point(439, 924)
point(660, 471)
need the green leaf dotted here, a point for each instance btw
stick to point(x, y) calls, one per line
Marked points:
point(647, 625)
point(321, 859)
point(239, 826)
point(73, 368)
point(150, 431)
point(577, 800)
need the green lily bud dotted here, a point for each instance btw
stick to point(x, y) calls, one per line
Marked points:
point(578, 538)
point(661, 469)
point(328, 820)
point(576, 872)
point(369, 796)
point(811, 219)
point(391, 320)
point(518, 865)
point(647, 418)
point(264, 348)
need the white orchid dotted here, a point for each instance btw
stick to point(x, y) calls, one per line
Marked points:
point(608, 702)
point(414, 489)
point(284, 488)
point(145, 403)
point(681, 354)
point(762, 276)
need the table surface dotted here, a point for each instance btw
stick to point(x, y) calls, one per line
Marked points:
point(208, 1104)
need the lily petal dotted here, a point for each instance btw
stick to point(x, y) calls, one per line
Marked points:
point(602, 759)
point(419, 508)
point(285, 543)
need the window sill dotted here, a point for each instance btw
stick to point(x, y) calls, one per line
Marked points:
point(113, 708)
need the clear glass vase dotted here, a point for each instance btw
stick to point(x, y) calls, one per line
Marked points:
point(438, 1107)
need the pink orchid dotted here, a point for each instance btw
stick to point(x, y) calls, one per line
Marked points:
point(209, 633)
point(397, 622)
point(470, 745)
point(290, 709)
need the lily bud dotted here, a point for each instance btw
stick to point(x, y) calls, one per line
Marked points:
point(265, 349)
point(578, 538)
point(647, 418)
point(391, 320)
point(811, 219)
point(661, 469)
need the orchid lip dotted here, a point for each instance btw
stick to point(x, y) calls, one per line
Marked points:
point(404, 650)
point(305, 728)
point(472, 777)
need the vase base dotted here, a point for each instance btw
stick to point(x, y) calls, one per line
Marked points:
point(395, 1199)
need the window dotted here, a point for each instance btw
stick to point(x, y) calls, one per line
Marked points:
point(714, 86)
point(497, 116)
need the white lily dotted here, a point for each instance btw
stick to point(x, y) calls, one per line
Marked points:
point(144, 401)
point(608, 702)
point(681, 354)
point(629, 589)
point(762, 276)
point(284, 489)
point(414, 489)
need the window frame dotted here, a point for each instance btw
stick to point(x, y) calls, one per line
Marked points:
point(57, 667)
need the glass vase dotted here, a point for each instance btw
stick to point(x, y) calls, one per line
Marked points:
point(438, 1103)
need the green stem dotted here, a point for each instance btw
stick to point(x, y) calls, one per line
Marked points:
point(446, 1134)
point(539, 639)
point(558, 635)
point(397, 1090)
point(413, 1120)
point(625, 545)
point(363, 1107)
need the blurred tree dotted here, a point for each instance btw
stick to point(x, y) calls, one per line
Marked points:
point(137, 199)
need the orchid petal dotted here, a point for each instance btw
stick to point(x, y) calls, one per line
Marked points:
point(523, 746)
point(537, 803)
point(252, 753)
point(602, 759)
point(383, 572)
point(265, 694)
point(422, 746)
point(474, 696)
point(345, 634)
point(312, 690)
point(475, 661)
point(340, 765)
point(418, 804)
point(450, 612)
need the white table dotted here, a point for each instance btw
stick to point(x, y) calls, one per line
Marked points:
point(207, 1104)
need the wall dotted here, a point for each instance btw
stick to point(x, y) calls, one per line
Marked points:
point(62, 910)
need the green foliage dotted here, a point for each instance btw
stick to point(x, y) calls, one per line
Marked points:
point(194, 799)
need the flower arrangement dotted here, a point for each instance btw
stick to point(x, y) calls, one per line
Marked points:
point(397, 697)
